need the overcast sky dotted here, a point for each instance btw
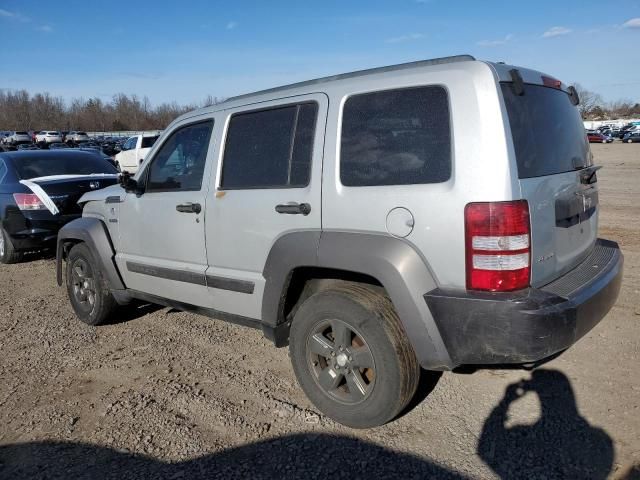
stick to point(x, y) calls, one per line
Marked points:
point(186, 50)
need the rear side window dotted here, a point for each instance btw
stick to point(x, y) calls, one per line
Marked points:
point(147, 142)
point(547, 130)
point(396, 137)
point(270, 148)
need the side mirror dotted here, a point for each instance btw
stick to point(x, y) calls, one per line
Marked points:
point(129, 184)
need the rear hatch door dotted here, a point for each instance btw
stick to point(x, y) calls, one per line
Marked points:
point(556, 177)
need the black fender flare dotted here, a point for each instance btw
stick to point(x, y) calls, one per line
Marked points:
point(393, 262)
point(93, 232)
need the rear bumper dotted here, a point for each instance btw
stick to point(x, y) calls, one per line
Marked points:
point(532, 324)
point(35, 230)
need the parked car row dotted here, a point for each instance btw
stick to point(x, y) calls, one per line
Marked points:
point(54, 139)
point(614, 132)
point(608, 136)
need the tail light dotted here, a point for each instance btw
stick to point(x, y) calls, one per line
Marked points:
point(28, 201)
point(498, 245)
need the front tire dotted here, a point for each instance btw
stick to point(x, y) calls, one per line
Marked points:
point(352, 357)
point(90, 298)
point(8, 253)
point(629, 141)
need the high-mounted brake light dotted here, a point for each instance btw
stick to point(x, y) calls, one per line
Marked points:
point(498, 245)
point(551, 82)
point(28, 201)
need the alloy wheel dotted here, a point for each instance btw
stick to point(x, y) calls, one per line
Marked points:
point(83, 284)
point(341, 361)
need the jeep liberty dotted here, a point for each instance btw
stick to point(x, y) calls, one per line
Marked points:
point(424, 215)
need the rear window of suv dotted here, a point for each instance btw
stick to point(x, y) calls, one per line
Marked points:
point(396, 137)
point(547, 130)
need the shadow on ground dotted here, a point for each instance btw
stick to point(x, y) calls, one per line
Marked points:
point(136, 309)
point(561, 444)
point(301, 456)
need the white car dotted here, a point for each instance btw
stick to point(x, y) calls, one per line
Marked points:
point(17, 138)
point(134, 151)
point(74, 138)
point(49, 136)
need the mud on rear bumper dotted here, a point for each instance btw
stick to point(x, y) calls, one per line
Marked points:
point(532, 324)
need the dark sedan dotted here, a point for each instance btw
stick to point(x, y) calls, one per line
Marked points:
point(39, 191)
point(632, 137)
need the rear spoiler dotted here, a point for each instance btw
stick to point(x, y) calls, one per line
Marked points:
point(518, 85)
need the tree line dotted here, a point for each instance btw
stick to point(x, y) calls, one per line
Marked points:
point(593, 107)
point(20, 110)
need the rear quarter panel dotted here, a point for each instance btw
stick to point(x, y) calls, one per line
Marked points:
point(481, 168)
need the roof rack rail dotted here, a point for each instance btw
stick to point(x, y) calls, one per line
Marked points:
point(358, 73)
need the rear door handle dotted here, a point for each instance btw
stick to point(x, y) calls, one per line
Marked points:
point(189, 207)
point(294, 208)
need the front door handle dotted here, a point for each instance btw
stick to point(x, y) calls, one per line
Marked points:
point(189, 207)
point(294, 208)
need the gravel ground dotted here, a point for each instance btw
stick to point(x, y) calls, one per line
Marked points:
point(164, 394)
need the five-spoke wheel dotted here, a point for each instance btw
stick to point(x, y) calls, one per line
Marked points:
point(351, 355)
point(341, 361)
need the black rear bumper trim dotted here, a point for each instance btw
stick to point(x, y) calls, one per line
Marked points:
point(528, 325)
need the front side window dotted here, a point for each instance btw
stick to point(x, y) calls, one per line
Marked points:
point(270, 148)
point(396, 137)
point(131, 143)
point(179, 164)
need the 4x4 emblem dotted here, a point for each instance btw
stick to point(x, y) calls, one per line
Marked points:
point(94, 185)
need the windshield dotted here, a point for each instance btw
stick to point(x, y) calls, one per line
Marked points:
point(548, 133)
point(34, 166)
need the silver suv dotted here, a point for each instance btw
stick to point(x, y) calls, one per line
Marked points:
point(431, 214)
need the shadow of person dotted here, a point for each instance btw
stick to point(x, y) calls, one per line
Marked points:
point(303, 456)
point(561, 444)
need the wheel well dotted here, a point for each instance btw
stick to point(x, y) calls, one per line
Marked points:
point(305, 281)
point(68, 244)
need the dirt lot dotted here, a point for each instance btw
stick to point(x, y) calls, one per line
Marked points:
point(164, 394)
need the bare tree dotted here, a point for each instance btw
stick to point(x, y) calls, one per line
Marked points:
point(588, 100)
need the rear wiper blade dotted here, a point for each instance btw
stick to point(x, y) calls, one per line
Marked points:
point(588, 174)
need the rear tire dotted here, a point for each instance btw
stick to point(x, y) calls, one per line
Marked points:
point(352, 357)
point(88, 292)
point(8, 253)
point(629, 141)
